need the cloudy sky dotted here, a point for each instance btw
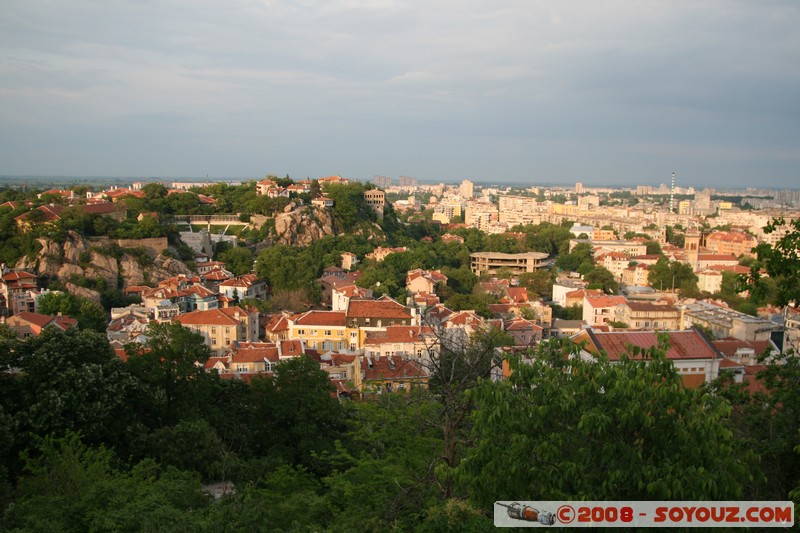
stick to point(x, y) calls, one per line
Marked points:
point(529, 91)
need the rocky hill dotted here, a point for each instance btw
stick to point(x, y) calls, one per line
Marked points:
point(302, 225)
point(96, 259)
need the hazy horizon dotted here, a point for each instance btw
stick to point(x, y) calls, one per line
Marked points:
point(621, 92)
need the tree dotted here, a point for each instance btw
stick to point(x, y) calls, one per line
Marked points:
point(653, 248)
point(153, 191)
point(296, 417)
point(539, 283)
point(767, 421)
point(601, 278)
point(572, 261)
point(68, 381)
point(781, 262)
point(73, 487)
point(565, 428)
point(172, 366)
point(666, 275)
point(461, 362)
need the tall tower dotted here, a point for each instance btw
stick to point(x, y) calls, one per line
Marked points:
point(691, 245)
point(672, 193)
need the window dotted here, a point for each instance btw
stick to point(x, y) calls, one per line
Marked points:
point(327, 333)
point(213, 331)
point(301, 332)
point(213, 340)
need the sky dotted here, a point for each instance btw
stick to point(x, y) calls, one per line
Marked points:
point(516, 91)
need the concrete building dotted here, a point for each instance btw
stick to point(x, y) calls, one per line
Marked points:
point(221, 327)
point(728, 242)
point(467, 189)
point(376, 200)
point(725, 322)
point(491, 262)
point(646, 315)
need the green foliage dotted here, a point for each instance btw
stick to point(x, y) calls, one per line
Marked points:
point(601, 278)
point(238, 260)
point(68, 381)
point(666, 274)
point(169, 368)
point(71, 487)
point(653, 248)
point(781, 262)
point(297, 418)
point(563, 428)
point(574, 312)
point(349, 207)
point(767, 422)
point(574, 260)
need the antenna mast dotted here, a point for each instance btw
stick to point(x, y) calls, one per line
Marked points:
point(672, 193)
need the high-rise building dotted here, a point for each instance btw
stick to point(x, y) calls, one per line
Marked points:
point(406, 181)
point(467, 188)
point(382, 181)
point(579, 188)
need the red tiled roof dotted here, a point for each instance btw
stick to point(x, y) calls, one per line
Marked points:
point(254, 352)
point(290, 348)
point(245, 280)
point(392, 367)
point(730, 346)
point(650, 307)
point(517, 294)
point(321, 318)
point(277, 323)
point(215, 317)
point(101, 209)
point(398, 335)
point(604, 301)
point(17, 275)
point(520, 324)
point(688, 344)
point(383, 308)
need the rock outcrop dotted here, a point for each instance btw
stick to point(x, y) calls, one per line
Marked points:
point(302, 225)
point(77, 256)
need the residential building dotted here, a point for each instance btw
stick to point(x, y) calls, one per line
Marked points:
point(725, 322)
point(341, 296)
point(221, 327)
point(524, 332)
point(694, 356)
point(244, 287)
point(385, 375)
point(380, 253)
point(418, 342)
point(730, 243)
point(419, 280)
point(648, 315)
point(349, 260)
point(636, 275)
point(372, 315)
point(376, 200)
point(127, 328)
point(325, 331)
point(600, 309)
point(26, 323)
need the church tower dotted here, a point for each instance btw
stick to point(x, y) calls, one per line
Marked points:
point(691, 246)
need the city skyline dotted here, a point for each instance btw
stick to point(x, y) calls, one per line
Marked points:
point(617, 94)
